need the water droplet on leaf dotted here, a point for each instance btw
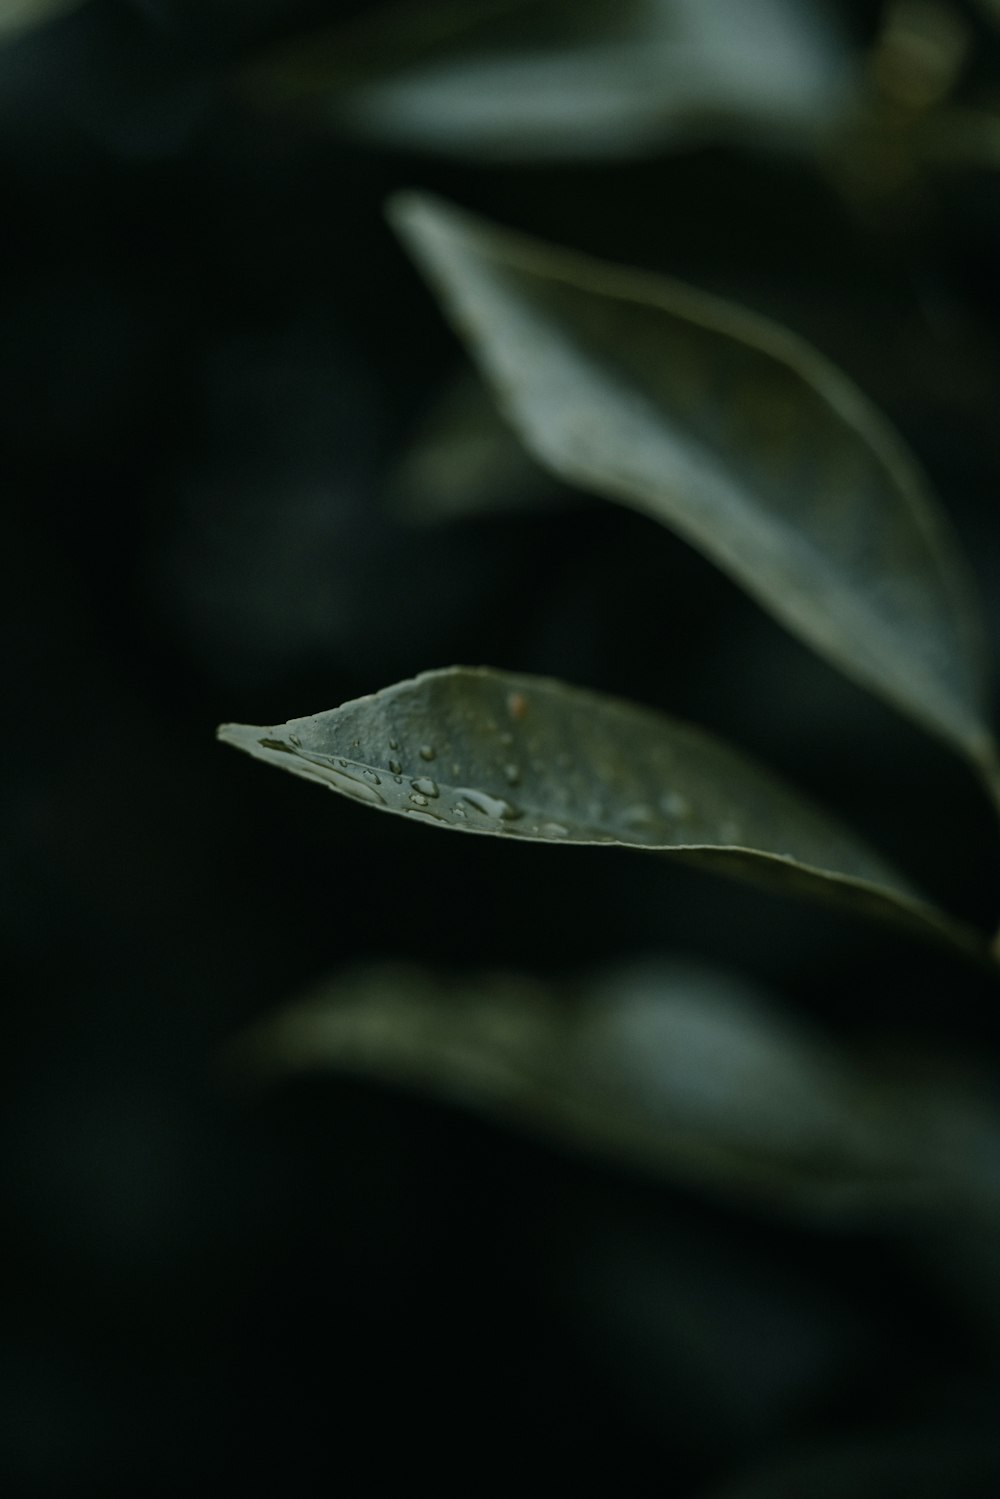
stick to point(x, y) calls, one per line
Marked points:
point(489, 806)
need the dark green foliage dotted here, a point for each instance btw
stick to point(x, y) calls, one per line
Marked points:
point(646, 350)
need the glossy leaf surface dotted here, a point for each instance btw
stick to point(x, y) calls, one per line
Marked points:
point(738, 436)
point(492, 752)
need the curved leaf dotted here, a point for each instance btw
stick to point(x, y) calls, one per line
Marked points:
point(484, 751)
point(540, 80)
point(673, 1069)
point(738, 436)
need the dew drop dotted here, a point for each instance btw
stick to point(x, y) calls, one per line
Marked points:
point(417, 799)
point(394, 744)
point(426, 786)
point(295, 741)
point(431, 817)
point(553, 830)
point(398, 780)
point(371, 775)
point(395, 767)
point(427, 752)
point(512, 773)
point(354, 786)
point(342, 764)
point(489, 806)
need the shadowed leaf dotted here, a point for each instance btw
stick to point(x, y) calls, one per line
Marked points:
point(464, 460)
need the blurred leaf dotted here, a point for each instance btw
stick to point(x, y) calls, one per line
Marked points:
point(736, 434)
point(465, 460)
point(19, 15)
point(672, 1069)
point(486, 751)
point(545, 80)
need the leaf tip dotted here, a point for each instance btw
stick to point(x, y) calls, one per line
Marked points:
point(420, 220)
point(406, 208)
point(240, 735)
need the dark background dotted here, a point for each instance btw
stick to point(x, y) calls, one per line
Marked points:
point(215, 354)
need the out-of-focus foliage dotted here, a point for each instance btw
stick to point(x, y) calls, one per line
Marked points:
point(230, 408)
point(680, 1071)
point(539, 80)
point(464, 460)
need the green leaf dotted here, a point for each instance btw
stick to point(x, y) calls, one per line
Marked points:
point(672, 1069)
point(485, 751)
point(540, 80)
point(735, 434)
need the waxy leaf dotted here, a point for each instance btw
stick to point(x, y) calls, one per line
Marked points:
point(485, 751)
point(673, 1069)
point(737, 435)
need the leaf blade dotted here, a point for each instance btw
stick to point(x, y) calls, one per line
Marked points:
point(735, 434)
point(500, 753)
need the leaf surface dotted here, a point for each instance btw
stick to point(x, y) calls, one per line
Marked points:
point(737, 435)
point(524, 757)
